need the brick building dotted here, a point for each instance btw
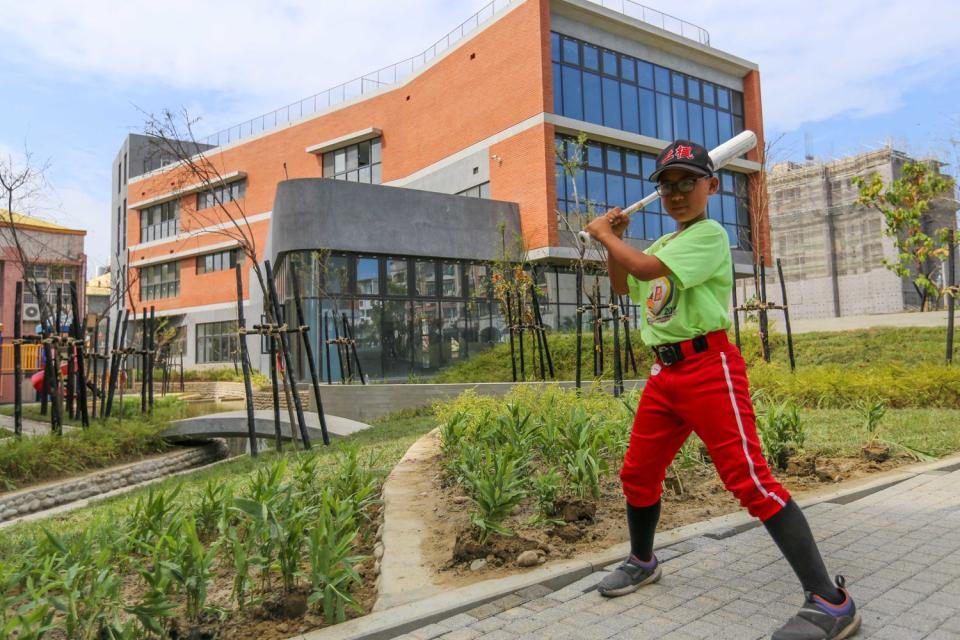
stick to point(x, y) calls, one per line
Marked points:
point(405, 180)
point(56, 258)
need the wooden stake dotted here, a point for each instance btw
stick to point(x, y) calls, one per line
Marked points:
point(245, 361)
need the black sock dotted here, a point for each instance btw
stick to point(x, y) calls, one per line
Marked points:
point(789, 529)
point(642, 522)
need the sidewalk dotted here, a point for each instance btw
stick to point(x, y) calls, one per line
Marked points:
point(898, 548)
point(30, 427)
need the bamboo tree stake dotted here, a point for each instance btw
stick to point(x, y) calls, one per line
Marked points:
point(617, 364)
point(288, 360)
point(952, 283)
point(56, 397)
point(144, 346)
point(736, 312)
point(17, 362)
point(151, 356)
point(326, 346)
point(786, 316)
point(628, 343)
point(348, 329)
point(295, 282)
point(579, 279)
point(106, 367)
point(513, 357)
point(523, 368)
point(336, 336)
point(81, 378)
point(764, 326)
point(543, 332)
point(346, 349)
point(95, 346)
point(245, 361)
point(275, 388)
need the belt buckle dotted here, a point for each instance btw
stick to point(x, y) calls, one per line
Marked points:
point(667, 354)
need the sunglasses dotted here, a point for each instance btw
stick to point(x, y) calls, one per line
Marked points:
point(686, 185)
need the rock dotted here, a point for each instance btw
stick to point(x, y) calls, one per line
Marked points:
point(478, 564)
point(378, 551)
point(528, 559)
point(568, 533)
point(576, 510)
point(876, 452)
point(466, 548)
point(380, 532)
point(461, 500)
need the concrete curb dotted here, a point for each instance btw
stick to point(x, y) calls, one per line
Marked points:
point(389, 623)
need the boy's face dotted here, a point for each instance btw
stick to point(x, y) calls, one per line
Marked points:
point(686, 207)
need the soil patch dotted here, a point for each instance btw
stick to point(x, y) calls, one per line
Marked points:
point(691, 495)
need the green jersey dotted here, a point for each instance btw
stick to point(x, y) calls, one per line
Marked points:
point(695, 298)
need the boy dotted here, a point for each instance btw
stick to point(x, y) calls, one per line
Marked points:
point(699, 383)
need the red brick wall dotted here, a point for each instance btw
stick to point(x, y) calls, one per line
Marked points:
point(495, 80)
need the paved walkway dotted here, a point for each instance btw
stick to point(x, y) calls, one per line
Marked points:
point(30, 427)
point(899, 549)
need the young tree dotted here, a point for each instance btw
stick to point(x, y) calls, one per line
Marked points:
point(906, 207)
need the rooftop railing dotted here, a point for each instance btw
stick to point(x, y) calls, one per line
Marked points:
point(656, 18)
point(395, 73)
point(357, 87)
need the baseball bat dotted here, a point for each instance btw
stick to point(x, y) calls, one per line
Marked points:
point(721, 156)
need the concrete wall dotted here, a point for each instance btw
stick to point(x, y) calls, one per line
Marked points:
point(332, 214)
point(458, 176)
point(367, 402)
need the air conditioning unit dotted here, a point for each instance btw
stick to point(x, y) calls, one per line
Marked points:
point(31, 312)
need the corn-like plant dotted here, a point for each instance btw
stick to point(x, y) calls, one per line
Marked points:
point(155, 606)
point(781, 431)
point(497, 487)
point(152, 515)
point(331, 565)
point(31, 621)
point(214, 503)
point(547, 486)
point(243, 558)
point(585, 470)
point(192, 568)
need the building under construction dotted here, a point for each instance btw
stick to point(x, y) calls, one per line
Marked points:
point(831, 249)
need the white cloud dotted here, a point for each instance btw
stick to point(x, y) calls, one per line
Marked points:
point(247, 47)
point(823, 59)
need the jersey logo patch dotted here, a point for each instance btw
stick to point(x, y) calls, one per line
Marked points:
point(662, 301)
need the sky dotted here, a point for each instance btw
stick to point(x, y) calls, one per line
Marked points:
point(838, 77)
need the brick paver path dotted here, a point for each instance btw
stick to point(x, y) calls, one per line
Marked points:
point(899, 550)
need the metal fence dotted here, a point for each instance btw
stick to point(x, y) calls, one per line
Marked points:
point(357, 87)
point(392, 74)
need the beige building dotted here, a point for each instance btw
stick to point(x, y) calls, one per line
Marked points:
point(831, 249)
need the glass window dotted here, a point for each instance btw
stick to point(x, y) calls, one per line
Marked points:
point(368, 276)
point(452, 274)
point(614, 159)
point(628, 68)
point(217, 342)
point(592, 98)
point(557, 88)
point(664, 119)
point(354, 163)
point(478, 281)
point(555, 47)
point(680, 129)
point(591, 57)
point(572, 93)
point(610, 63)
point(571, 51)
point(397, 281)
point(220, 261)
point(160, 281)
point(594, 155)
point(737, 103)
point(710, 132)
point(645, 74)
point(596, 189)
point(632, 162)
point(693, 88)
point(723, 98)
point(662, 79)
point(695, 122)
point(725, 125)
point(336, 274)
point(425, 282)
point(648, 113)
point(679, 85)
point(160, 221)
point(611, 103)
point(615, 196)
point(708, 94)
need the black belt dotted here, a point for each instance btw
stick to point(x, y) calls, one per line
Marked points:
point(673, 353)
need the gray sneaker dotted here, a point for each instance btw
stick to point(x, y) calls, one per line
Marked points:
point(820, 620)
point(627, 578)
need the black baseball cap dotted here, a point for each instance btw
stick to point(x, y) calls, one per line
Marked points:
point(686, 155)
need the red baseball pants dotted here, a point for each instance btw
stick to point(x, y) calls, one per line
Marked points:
point(707, 393)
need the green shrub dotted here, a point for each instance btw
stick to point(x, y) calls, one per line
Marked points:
point(781, 431)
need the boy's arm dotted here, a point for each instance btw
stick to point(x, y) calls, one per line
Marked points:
point(622, 259)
